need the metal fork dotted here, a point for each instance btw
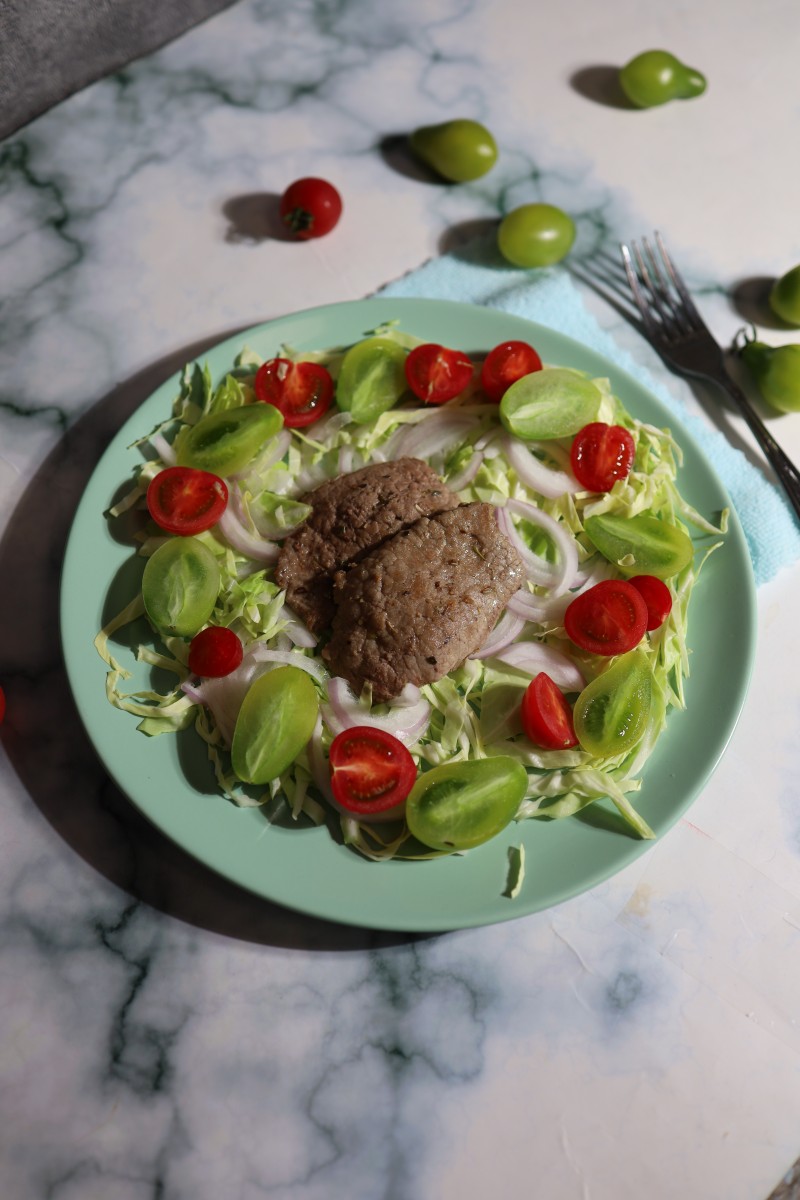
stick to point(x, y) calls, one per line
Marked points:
point(679, 334)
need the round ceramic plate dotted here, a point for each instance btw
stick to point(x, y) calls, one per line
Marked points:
point(305, 868)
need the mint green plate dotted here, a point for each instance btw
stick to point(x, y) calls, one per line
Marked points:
point(303, 867)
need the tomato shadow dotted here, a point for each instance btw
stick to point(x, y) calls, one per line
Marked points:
point(254, 217)
point(750, 298)
point(600, 84)
point(474, 241)
point(396, 152)
point(42, 734)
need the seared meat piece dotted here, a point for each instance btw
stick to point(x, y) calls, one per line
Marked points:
point(353, 514)
point(423, 601)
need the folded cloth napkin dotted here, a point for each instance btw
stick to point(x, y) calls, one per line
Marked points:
point(474, 275)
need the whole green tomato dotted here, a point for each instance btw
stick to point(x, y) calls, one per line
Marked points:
point(535, 235)
point(656, 76)
point(784, 298)
point(776, 371)
point(459, 150)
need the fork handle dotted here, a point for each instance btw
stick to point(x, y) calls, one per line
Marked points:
point(783, 466)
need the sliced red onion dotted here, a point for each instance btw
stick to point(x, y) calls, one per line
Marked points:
point(432, 434)
point(224, 696)
point(466, 475)
point(562, 536)
point(273, 452)
point(262, 653)
point(538, 569)
point(524, 604)
point(407, 722)
point(547, 481)
point(163, 449)
point(297, 630)
point(536, 656)
point(507, 628)
point(240, 538)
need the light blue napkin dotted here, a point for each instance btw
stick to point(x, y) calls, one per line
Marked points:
point(473, 275)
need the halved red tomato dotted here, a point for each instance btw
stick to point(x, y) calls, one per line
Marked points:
point(504, 365)
point(656, 596)
point(302, 391)
point(372, 772)
point(601, 454)
point(610, 618)
point(546, 715)
point(215, 651)
point(186, 500)
point(436, 374)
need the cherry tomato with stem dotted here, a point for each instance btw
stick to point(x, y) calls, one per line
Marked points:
point(215, 651)
point(372, 772)
point(301, 391)
point(656, 596)
point(504, 365)
point(436, 374)
point(185, 500)
point(601, 454)
point(610, 618)
point(310, 208)
point(546, 715)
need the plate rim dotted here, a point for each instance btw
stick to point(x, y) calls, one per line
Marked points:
point(393, 309)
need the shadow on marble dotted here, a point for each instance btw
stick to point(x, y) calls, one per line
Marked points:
point(750, 298)
point(398, 156)
point(45, 739)
point(255, 217)
point(601, 84)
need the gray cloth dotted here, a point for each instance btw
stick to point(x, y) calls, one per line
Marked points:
point(52, 48)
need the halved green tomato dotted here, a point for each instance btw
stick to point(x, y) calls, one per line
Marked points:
point(372, 378)
point(460, 805)
point(275, 722)
point(552, 403)
point(641, 545)
point(612, 711)
point(225, 442)
point(180, 586)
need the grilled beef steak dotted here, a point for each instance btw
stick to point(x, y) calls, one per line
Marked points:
point(422, 601)
point(351, 515)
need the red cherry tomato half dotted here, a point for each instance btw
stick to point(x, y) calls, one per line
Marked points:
point(610, 618)
point(656, 596)
point(310, 208)
point(504, 365)
point(546, 715)
point(185, 500)
point(600, 455)
point(436, 374)
point(303, 391)
point(372, 772)
point(214, 652)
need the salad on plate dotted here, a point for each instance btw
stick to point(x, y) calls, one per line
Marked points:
point(411, 592)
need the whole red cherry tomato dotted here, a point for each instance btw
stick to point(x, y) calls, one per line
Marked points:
point(546, 715)
point(303, 391)
point(610, 618)
point(372, 772)
point(656, 596)
point(186, 500)
point(504, 365)
point(436, 374)
point(215, 651)
point(310, 207)
point(600, 455)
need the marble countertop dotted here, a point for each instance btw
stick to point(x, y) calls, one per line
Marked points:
point(166, 1034)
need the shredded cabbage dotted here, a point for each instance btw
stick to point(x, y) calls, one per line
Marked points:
point(474, 710)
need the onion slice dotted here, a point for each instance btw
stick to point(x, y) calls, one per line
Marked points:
point(507, 628)
point(536, 656)
point(240, 538)
point(547, 481)
point(407, 720)
point(433, 434)
point(557, 576)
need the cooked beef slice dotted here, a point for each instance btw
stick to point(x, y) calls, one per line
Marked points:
point(351, 515)
point(423, 601)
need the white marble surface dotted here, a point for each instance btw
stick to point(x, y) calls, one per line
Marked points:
point(166, 1035)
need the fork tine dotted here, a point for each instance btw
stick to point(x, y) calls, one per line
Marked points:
point(671, 314)
point(677, 281)
point(638, 295)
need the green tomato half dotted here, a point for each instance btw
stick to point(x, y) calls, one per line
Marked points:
point(225, 442)
point(372, 378)
point(611, 713)
point(180, 585)
point(548, 404)
point(640, 545)
point(460, 805)
point(275, 722)
point(656, 76)
point(459, 150)
point(535, 235)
